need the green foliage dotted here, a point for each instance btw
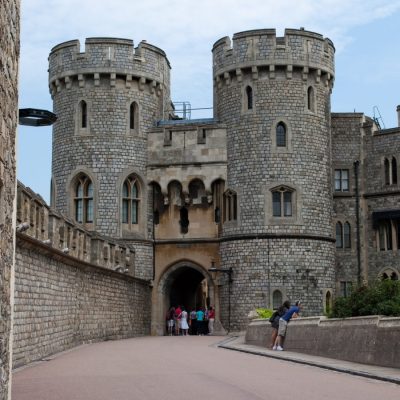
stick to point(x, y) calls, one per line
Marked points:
point(264, 313)
point(379, 298)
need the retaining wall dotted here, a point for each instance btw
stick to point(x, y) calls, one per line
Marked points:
point(62, 302)
point(368, 340)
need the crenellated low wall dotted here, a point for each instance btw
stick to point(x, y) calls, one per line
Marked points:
point(71, 286)
point(371, 340)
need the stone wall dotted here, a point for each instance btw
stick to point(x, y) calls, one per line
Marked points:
point(62, 302)
point(9, 61)
point(366, 340)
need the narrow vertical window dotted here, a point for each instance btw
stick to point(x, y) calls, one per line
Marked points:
point(339, 235)
point(249, 95)
point(133, 116)
point(387, 171)
point(281, 135)
point(89, 202)
point(328, 302)
point(125, 203)
point(276, 204)
point(394, 171)
point(347, 235)
point(287, 200)
point(310, 98)
point(83, 111)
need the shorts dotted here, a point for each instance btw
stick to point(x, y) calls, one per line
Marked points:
point(282, 327)
point(170, 323)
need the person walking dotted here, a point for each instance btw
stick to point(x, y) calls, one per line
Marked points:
point(200, 322)
point(177, 317)
point(293, 312)
point(211, 318)
point(280, 312)
point(193, 322)
point(184, 323)
point(170, 321)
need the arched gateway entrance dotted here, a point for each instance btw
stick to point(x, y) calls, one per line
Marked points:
point(185, 283)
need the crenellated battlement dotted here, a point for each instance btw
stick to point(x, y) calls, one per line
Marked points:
point(262, 51)
point(110, 58)
point(38, 221)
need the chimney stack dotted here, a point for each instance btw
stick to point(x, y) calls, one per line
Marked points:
point(398, 116)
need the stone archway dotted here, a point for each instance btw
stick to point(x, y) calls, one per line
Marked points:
point(185, 283)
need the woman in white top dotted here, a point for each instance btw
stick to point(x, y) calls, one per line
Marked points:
point(183, 322)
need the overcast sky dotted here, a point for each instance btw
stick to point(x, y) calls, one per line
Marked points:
point(365, 33)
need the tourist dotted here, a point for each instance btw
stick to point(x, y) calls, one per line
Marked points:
point(211, 318)
point(177, 316)
point(280, 312)
point(200, 322)
point(184, 323)
point(193, 322)
point(293, 312)
point(170, 321)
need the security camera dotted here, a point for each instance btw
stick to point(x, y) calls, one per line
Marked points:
point(65, 250)
point(23, 227)
point(47, 241)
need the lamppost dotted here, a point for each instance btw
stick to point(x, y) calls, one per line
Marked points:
point(228, 271)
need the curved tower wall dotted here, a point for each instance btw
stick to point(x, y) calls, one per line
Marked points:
point(109, 75)
point(294, 255)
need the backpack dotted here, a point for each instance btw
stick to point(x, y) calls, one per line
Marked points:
point(274, 316)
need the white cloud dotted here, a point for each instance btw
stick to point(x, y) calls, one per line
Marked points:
point(184, 29)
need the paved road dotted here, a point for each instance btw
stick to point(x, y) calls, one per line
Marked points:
point(184, 368)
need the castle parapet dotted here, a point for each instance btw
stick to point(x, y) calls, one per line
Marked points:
point(107, 57)
point(38, 221)
point(261, 50)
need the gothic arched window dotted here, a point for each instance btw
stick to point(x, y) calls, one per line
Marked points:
point(339, 235)
point(387, 171)
point(281, 139)
point(230, 209)
point(133, 116)
point(347, 235)
point(83, 199)
point(394, 171)
point(277, 299)
point(130, 201)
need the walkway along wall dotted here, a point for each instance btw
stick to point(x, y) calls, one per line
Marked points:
point(367, 340)
point(68, 286)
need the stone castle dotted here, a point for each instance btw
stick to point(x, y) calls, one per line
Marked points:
point(292, 200)
point(273, 198)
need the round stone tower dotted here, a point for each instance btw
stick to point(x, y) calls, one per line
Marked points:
point(273, 95)
point(105, 98)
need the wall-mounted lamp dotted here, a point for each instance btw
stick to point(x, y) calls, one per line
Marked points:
point(34, 117)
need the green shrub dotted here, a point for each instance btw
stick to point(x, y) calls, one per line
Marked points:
point(264, 313)
point(379, 298)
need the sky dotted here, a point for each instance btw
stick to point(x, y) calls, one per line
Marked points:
point(365, 34)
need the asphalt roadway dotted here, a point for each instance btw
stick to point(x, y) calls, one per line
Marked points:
point(187, 368)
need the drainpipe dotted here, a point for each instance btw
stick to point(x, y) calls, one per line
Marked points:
point(356, 173)
point(154, 237)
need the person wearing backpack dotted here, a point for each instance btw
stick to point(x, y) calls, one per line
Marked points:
point(275, 320)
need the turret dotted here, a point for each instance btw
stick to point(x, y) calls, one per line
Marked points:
point(106, 99)
point(273, 94)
